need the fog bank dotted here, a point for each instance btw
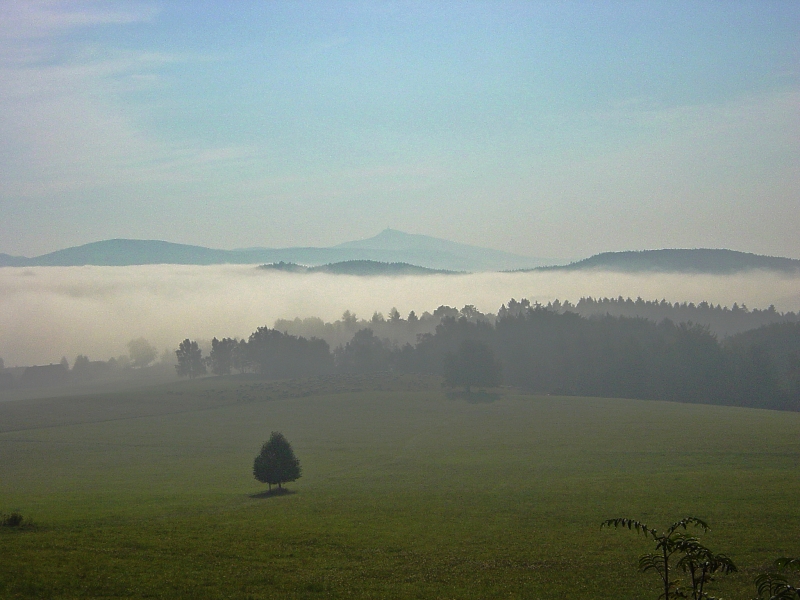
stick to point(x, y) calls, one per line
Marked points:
point(50, 312)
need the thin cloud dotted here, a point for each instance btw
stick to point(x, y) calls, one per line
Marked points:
point(26, 20)
point(62, 114)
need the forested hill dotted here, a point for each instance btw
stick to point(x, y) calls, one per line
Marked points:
point(700, 260)
point(364, 268)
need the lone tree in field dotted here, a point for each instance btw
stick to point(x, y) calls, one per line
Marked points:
point(190, 360)
point(276, 463)
point(473, 364)
point(675, 550)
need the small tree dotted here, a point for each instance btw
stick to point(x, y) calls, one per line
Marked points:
point(686, 552)
point(473, 364)
point(141, 352)
point(221, 358)
point(190, 360)
point(240, 359)
point(276, 463)
point(364, 353)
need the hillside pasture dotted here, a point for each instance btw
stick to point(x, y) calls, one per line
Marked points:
point(407, 492)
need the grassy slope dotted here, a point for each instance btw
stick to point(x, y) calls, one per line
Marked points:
point(404, 493)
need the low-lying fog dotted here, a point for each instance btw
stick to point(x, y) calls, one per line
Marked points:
point(50, 312)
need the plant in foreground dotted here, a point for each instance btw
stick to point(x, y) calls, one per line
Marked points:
point(774, 584)
point(675, 550)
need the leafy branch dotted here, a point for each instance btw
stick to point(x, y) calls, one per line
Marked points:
point(774, 584)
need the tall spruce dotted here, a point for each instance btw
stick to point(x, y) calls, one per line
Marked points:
point(276, 464)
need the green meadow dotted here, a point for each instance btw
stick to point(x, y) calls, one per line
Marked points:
point(407, 491)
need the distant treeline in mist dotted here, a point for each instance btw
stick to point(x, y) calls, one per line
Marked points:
point(142, 363)
point(550, 351)
point(721, 320)
point(597, 347)
point(392, 326)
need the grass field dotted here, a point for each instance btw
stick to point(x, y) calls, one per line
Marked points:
point(406, 492)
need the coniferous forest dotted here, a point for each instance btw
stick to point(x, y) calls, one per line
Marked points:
point(550, 350)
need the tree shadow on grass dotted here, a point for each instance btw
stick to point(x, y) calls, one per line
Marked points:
point(272, 493)
point(477, 397)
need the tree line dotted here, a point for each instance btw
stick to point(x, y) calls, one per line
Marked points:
point(544, 350)
point(721, 320)
point(143, 361)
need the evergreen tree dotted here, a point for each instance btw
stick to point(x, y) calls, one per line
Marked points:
point(190, 360)
point(276, 463)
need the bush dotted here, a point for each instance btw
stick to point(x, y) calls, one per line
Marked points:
point(13, 520)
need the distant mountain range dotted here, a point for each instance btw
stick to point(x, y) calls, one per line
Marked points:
point(390, 246)
point(359, 267)
point(700, 260)
point(399, 253)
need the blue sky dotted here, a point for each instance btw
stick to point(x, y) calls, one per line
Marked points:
point(553, 129)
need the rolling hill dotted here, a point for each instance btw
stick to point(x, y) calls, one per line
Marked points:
point(700, 260)
point(364, 268)
point(390, 246)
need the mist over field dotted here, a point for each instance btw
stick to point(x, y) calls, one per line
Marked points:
point(50, 312)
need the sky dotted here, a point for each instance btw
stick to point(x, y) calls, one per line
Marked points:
point(549, 129)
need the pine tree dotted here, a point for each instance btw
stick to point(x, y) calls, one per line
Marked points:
point(276, 463)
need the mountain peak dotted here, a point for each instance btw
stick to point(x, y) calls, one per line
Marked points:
point(394, 239)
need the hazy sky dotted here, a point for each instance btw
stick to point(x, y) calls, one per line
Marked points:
point(544, 128)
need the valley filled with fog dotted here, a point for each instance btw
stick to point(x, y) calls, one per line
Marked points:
point(50, 312)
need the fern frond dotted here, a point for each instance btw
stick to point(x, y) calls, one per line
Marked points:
point(774, 586)
point(630, 524)
point(791, 564)
point(686, 521)
point(649, 562)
